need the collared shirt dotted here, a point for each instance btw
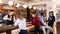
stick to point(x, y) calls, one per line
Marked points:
point(42, 20)
point(21, 24)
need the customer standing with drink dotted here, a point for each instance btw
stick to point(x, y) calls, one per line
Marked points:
point(21, 23)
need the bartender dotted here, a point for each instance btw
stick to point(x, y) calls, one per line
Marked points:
point(9, 18)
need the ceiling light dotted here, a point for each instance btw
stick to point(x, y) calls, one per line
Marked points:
point(1, 1)
point(30, 7)
point(25, 6)
point(34, 8)
point(10, 3)
point(39, 8)
point(18, 5)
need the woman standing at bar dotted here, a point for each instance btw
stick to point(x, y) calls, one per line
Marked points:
point(21, 23)
point(51, 20)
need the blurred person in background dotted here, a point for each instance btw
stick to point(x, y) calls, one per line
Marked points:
point(51, 20)
point(21, 23)
point(35, 21)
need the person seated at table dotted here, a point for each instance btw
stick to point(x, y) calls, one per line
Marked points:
point(43, 24)
point(51, 20)
point(35, 21)
point(9, 18)
point(21, 23)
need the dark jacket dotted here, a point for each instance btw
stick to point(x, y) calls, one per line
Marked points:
point(51, 21)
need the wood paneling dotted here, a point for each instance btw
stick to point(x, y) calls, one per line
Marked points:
point(6, 8)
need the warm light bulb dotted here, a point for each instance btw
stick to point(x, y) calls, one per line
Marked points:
point(10, 3)
point(39, 8)
point(34, 8)
point(18, 4)
point(30, 7)
point(25, 6)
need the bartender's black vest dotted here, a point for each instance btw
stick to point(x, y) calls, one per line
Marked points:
point(9, 22)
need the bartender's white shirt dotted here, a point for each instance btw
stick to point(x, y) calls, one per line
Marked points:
point(21, 24)
point(6, 18)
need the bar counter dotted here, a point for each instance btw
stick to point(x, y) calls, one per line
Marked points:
point(8, 29)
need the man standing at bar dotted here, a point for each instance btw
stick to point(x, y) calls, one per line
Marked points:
point(9, 18)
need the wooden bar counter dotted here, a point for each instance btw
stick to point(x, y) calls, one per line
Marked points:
point(8, 29)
